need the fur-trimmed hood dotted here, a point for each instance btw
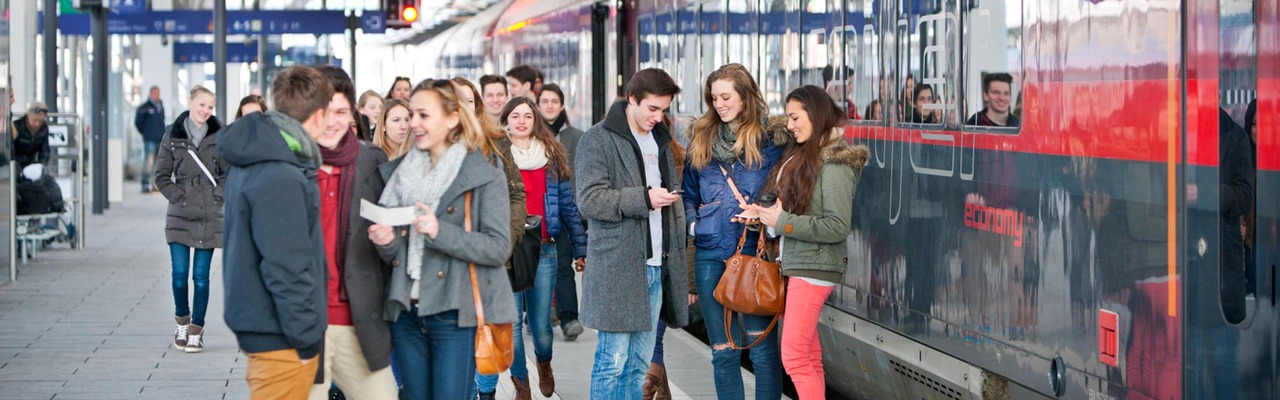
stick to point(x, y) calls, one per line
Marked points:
point(842, 153)
point(775, 128)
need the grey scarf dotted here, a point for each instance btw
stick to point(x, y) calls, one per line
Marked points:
point(197, 133)
point(416, 181)
point(722, 150)
point(309, 149)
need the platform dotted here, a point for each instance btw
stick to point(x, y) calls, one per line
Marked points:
point(97, 324)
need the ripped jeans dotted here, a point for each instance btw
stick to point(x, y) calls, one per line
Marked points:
point(726, 361)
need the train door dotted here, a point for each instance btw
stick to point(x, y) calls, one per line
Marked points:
point(1263, 125)
point(1230, 318)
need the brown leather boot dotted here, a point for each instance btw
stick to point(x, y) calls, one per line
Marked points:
point(546, 380)
point(522, 389)
point(661, 389)
point(655, 383)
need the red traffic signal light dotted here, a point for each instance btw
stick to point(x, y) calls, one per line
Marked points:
point(401, 13)
point(409, 13)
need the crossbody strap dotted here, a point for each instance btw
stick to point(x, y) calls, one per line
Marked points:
point(736, 194)
point(475, 284)
point(202, 167)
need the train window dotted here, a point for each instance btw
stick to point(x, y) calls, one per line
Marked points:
point(743, 24)
point(646, 30)
point(780, 49)
point(821, 27)
point(865, 85)
point(688, 65)
point(665, 29)
point(1237, 86)
point(928, 54)
point(993, 65)
point(713, 46)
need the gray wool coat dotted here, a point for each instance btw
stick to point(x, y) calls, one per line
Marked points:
point(194, 217)
point(613, 197)
point(445, 279)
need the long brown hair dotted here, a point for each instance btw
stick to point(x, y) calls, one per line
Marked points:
point(492, 133)
point(380, 138)
point(468, 129)
point(702, 136)
point(542, 133)
point(803, 161)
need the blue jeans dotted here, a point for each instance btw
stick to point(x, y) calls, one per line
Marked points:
point(658, 357)
point(535, 304)
point(622, 358)
point(436, 357)
point(181, 256)
point(726, 361)
point(150, 149)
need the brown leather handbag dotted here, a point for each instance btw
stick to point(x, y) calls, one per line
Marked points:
point(752, 284)
point(494, 347)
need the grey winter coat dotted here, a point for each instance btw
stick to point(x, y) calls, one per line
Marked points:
point(195, 204)
point(445, 279)
point(613, 197)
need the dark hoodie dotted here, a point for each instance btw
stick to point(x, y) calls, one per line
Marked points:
point(274, 272)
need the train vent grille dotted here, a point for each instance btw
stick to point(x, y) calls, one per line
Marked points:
point(925, 382)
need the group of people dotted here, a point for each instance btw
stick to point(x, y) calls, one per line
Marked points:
point(921, 105)
point(318, 295)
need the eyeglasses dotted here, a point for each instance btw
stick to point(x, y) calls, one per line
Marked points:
point(39, 110)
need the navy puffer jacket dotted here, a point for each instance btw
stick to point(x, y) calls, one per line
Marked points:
point(709, 204)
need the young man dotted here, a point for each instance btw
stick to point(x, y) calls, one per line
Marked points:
point(997, 95)
point(357, 343)
point(521, 81)
point(494, 90)
point(149, 119)
point(624, 198)
point(273, 270)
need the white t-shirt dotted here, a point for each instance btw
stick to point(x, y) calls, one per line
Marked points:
point(653, 176)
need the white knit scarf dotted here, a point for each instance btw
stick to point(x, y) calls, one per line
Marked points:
point(532, 158)
point(416, 181)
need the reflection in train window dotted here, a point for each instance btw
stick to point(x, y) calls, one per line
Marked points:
point(1237, 85)
point(689, 98)
point(743, 25)
point(928, 53)
point(993, 67)
point(713, 50)
point(822, 49)
point(866, 85)
point(779, 52)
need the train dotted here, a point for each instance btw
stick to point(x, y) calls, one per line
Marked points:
point(1079, 255)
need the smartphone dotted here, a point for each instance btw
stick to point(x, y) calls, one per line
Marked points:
point(677, 191)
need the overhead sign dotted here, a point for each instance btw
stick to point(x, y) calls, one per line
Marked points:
point(188, 22)
point(373, 22)
point(185, 53)
point(128, 6)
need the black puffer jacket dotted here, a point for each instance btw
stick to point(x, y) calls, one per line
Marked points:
point(195, 204)
point(30, 147)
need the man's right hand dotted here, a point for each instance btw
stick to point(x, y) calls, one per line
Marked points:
point(659, 197)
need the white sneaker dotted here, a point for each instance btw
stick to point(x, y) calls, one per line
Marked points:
point(180, 335)
point(195, 340)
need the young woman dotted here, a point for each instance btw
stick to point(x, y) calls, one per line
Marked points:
point(251, 104)
point(815, 182)
point(497, 148)
point(551, 106)
point(392, 128)
point(429, 299)
point(400, 89)
point(370, 105)
point(874, 112)
point(190, 173)
point(730, 148)
point(544, 168)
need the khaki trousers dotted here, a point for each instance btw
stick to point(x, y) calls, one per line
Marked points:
point(344, 365)
point(279, 375)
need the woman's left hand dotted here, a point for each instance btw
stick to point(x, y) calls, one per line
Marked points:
point(427, 224)
point(769, 216)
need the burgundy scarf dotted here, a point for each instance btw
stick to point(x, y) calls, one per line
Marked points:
point(343, 156)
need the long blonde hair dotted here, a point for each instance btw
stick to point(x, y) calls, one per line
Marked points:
point(468, 131)
point(380, 137)
point(703, 133)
